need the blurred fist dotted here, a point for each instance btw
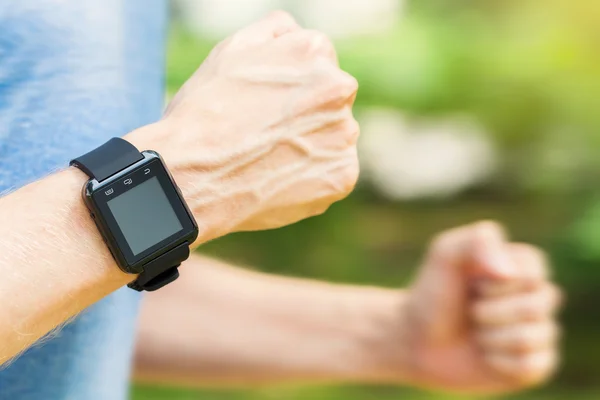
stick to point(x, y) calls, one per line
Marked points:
point(481, 314)
point(263, 133)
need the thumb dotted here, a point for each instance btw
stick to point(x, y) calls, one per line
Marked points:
point(491, 259)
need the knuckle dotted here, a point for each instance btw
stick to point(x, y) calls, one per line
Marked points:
point(441, 241)
point(335, 85)
point(301, 42)
point(541, 304)
point(305, 42)
point(315, 42)
point(485, 229)
point(321, 41)
point(350, 177)
point(346, 82)
point(533, 258)
point(351, 130)
point(447, 240)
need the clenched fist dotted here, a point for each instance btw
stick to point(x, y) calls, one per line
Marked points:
point(262, 135)
point(480, 316)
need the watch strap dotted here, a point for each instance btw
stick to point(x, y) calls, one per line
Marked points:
point(108, 159)
point(155, 275)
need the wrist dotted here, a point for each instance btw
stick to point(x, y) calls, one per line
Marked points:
point(389, 346)
point(203, 185)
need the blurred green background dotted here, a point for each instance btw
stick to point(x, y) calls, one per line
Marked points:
point(524, 74)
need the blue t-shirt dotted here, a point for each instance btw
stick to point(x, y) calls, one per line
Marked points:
point(73, 74)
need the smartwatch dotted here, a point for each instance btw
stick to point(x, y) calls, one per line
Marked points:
point(139, 211)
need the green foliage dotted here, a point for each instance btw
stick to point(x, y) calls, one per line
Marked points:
point(530, 72)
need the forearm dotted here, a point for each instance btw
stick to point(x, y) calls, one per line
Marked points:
point(53, 262)
point(223, 325)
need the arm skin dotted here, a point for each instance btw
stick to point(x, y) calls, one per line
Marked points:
point(53, 261)
point(221, 325)
point(478, 318)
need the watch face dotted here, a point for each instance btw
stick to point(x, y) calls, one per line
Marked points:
point(140, 212)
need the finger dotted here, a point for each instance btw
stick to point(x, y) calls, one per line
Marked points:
point(491, 258)
point(490, 289)
point(479, 247)
point(520, 338)
point(532, 262)
point(307, 42)
point(526, 369)
point(531, 265)
point(531, 306)
point(456, 246)
point(275, 24)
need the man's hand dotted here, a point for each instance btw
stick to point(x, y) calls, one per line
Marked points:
point(479, 318)
point(262, 135)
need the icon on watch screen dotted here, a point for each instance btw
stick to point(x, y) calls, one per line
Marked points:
point(109, 191)
point(128, 181)
point(146, 171)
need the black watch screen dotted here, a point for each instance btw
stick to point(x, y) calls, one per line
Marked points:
point(144, 215)
point(141, 210)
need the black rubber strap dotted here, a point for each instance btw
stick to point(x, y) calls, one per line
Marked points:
point(105, 161)
point(108, 159)
point(155, 274)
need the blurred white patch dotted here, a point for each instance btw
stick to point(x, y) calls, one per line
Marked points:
point(337, 18)
point(342, 18)
point(219, 18)
point(433, 158)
